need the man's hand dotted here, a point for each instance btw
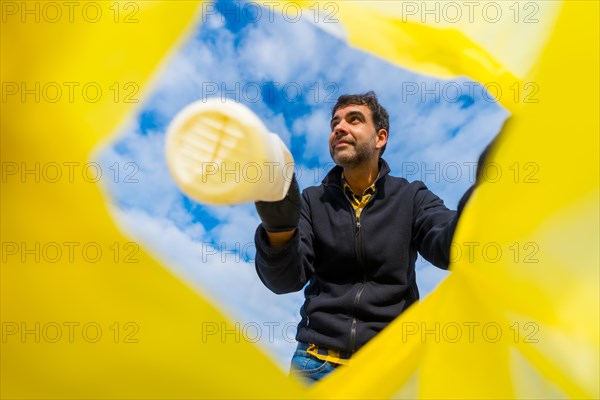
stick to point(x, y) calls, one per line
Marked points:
point(283, 215)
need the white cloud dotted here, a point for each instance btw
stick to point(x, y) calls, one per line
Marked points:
point(143, 180)
point(224, 277)
point(281, 51)
point(315, 130)
point(238, 223)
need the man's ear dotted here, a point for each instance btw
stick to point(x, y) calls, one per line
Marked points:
point(382, 136)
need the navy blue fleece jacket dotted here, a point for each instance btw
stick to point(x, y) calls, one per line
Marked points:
point(360, 273)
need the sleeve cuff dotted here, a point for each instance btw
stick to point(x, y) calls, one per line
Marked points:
point(274, 253)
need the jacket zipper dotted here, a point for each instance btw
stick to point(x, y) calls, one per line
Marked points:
point(358, 245)
point(359, 256)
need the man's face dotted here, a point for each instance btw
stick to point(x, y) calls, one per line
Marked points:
point(354, 139)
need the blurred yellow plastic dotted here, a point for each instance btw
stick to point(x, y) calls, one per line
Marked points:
point(221, 153)
point(153, 341)
point(494, 43)
point(518, 316)
point(546, 312)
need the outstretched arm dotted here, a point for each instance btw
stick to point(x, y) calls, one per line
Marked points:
point(435, 225)
point(284, 256)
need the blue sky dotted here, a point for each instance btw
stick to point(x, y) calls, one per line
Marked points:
point(289, 74)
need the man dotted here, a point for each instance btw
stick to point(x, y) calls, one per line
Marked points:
point(354, 239)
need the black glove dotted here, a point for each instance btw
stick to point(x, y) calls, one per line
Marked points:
point(282, 215)
point(480, 165)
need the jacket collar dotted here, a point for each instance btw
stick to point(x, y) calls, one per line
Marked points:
point(334, 176)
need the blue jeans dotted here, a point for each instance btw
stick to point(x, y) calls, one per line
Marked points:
point(308, 367)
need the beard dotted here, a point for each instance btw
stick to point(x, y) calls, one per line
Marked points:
point(355, 154)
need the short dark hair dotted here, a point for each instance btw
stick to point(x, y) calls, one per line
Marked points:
point(380, 115)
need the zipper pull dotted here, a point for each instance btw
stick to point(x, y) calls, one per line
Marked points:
point(357, 224)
